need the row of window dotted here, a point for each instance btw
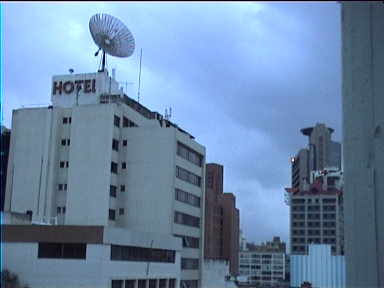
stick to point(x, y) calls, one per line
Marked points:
point(113, 190)
point(65, 142)
point(62, 187)
point(131, 253)
point(142, 283)
point(189, 242)
point(112, 213)
point(185, 219)
point(60, 209)
point(62, 250)
point(189, 154)
point(188, 283)
point(186, 197)
point(126, 122)
point(189, 264)
point(187, 176)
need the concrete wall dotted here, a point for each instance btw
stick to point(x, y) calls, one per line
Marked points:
point(214, 273)
point(363, 139)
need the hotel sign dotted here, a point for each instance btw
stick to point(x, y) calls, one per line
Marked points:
point(67, 87)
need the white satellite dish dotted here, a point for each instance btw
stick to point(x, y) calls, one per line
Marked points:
point(111, 36)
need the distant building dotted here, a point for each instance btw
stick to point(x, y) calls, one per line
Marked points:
point(96, 157)
point(317, 213)
point(222, 220)
point(4, 142)
point(319, 268)
point(264, 264)
point(322, 152)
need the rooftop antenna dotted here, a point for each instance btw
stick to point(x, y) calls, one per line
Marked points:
point(138, 90)
point(111, 36)
point(167, 115)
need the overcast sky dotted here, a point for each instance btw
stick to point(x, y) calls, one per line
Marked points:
point(243, 78)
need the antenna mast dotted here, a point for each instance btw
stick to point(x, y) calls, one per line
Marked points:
point(138, 90)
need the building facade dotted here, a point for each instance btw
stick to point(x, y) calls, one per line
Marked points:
point(316, 213)
point(264, 264)
point(98, 157)
point(222, 220)
point(363, 104)
point(320, 268)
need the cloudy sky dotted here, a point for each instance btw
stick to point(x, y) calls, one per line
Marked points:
point(243, 78)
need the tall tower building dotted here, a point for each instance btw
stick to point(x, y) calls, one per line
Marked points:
point(98, 158)
point(363, 140)
point(222, 220)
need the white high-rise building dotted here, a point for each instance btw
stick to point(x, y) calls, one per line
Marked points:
point(98, 158)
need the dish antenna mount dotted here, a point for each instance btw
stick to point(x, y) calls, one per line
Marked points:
point(111, 36)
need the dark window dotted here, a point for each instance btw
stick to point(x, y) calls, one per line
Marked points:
point(188, 284)
point(65, 187)
point(65, 120)
point(126, 122)
point(60, 187)
point(63, 142)
point(152, 283)
point(131, 253)
point(187, 176)
point(115, 145)
point(124, 142)
point(141, 283)
point(162, 283)
point(122, 188)
point(186, 197)
point(114, 167)
point(129, 284)
point(189, 154)
point(121, 211)
point(117, 283)
point(112, 214)
point(171, 283)
point(68, 142)
point(62, 250)
point(62, 164)
point(70, 120)
point(189, 242)
point(185, 219)
point(58, 210)
point(116, 121)
point(189, 263)
point(123, 165)
point(66, 164)
point(112, 191)
point(63, 209)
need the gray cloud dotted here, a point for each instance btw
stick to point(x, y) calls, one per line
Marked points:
point(243, 78)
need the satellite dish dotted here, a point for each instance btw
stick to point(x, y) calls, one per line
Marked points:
point(111, 36)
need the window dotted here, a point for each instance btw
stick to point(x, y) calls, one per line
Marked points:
point(112, 191)
point(121, 211)
point(65, 187)
point(185, 219)
point(65, 120)
point(189, 263)
point(63, 142)
point(66, 164)
point(123, 165)
point(141, 283)
point(128, 123)
point(117, 283)
point(122, 188)
point(140, 254)
point(124, 142)
point(129, 283)
point(186, 197)
point(188, 284)
point(70, 120)
point(152, 283)
point(112, 214)
point(188, 241)
point(58, 210)
point(189, 154)
point(60, 187)
point(115, 145)
point(114, 167)
point(62, 164)
point(116, 121)
point(187, 176)
point(62, 250)
point(171, 283)
point(68, 142)
point(162, 283)
point(63, 209)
